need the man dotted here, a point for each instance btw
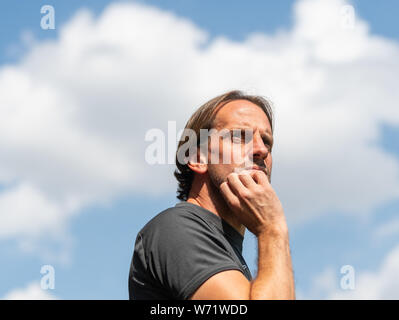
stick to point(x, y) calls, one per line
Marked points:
point(193, 250)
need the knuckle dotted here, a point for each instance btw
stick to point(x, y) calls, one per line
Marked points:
point(258, 173)
point(245, 194)
point(259, 191)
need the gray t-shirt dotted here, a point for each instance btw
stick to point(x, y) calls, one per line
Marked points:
point(179, 249)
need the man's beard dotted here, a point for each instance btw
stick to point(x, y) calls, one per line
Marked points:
point(217, 180)
point(259, 164)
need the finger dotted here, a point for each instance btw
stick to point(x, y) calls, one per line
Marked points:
point(235, 184)
point(247, 180)
point(228, 195)
point(260, 177)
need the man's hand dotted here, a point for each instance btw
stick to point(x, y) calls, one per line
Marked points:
point(254, 202)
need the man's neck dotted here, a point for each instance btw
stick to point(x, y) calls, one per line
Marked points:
point(209, 198)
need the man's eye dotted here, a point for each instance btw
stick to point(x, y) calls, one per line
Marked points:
point(268, 146)
point(267, 142)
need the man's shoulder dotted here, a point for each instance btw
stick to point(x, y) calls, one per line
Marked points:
point(175, 219)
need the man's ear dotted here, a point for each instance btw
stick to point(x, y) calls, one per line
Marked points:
point(198, 165)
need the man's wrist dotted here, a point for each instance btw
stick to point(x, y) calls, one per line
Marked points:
point(278, 232)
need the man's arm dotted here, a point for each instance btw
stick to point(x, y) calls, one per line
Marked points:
point(253, 200)
point(275, 276)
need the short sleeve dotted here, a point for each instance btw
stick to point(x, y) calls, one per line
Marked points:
point(182, 251)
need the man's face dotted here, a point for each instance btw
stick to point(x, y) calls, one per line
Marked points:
point(244, 153)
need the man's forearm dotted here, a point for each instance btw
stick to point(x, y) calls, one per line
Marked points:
point(275, 278)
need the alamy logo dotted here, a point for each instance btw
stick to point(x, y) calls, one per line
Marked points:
point(48, 279)
point(48, 20)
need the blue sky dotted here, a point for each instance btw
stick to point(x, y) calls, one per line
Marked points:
point(90, 246)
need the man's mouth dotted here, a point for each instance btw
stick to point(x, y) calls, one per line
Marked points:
point(254, 167)
point(258, 168)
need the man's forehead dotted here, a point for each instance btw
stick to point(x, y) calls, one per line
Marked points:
point(242, 114)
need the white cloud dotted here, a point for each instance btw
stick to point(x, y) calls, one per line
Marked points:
point(31, 292)
point(74, 111)
point(375, 285)
point(24, 210)
point(324, 282)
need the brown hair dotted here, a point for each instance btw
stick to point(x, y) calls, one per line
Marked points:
point(203, 119)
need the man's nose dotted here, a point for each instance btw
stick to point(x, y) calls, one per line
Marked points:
point(259, 149)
